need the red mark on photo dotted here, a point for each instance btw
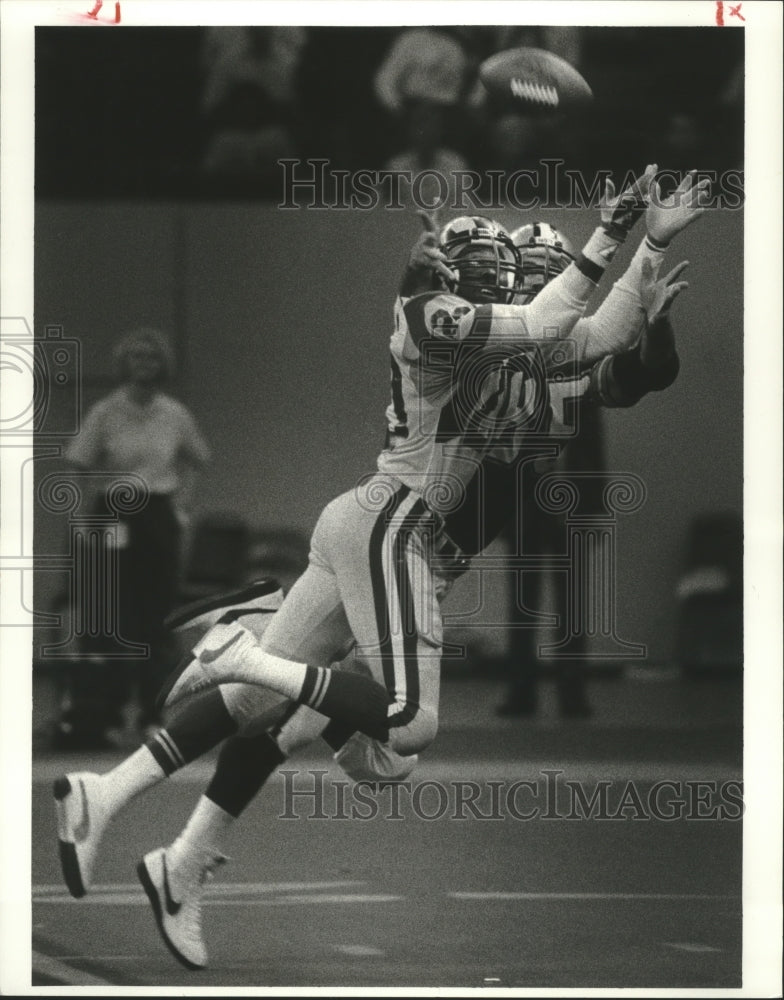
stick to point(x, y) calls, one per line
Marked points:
point(733, 12)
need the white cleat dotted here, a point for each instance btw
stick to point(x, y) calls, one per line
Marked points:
point(175, 893)
point(218, 658)
point(81, 820)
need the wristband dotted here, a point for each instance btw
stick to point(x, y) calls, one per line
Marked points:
point(627, 211)
point(597, 253)
point(655, 245)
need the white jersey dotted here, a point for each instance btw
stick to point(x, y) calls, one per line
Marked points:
point(468, 380)
point(461, 373)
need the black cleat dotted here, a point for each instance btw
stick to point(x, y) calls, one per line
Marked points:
point(261, 597)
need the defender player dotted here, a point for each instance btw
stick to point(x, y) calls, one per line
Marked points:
point(246, 763)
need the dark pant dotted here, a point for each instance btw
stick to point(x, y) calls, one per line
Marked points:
point(544, 533)
point(148, 584)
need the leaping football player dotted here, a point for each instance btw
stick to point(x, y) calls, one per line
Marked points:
point(247, 761)
point(369, 578)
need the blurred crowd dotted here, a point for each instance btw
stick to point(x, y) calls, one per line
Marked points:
point(210, 111)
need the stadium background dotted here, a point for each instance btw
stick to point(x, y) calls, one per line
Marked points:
point(281, 318)
point(284, 319)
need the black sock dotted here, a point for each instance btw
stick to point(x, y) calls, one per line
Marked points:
point(336, 735)
point(196, 728)
point(350, 699)
point(244, 764)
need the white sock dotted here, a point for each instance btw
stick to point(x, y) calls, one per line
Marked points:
point(284, 676)
point(204, 833)
point(257, 666)
point(124, 782)
point(250, 663)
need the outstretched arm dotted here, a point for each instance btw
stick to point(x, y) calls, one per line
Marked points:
point(616, 381)
point(619, 321)
point(425, 260)
point(556, 309)
point(653, 364)
point(561, 303)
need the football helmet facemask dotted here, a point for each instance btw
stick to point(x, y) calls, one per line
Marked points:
point(483, 257)
point(544, 254)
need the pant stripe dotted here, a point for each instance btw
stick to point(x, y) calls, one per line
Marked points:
point(376, 555)
point(409, 627)
point(393, 596)
point(399, 527)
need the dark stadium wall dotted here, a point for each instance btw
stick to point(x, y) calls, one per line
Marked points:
point(282, 320)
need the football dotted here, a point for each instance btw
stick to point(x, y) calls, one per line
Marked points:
point(530, 79)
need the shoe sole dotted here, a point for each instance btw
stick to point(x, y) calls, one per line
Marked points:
point(190, 612)
point(69, 862)
point(152, 894)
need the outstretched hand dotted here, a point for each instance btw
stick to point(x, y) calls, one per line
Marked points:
point(620, 212)
point(658, 296)
point(657, 343)
point(666, 217)
point(425, 255)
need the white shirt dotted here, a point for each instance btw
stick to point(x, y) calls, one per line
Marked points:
point(153, 440)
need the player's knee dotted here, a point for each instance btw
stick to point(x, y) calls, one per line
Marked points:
point(416, 735)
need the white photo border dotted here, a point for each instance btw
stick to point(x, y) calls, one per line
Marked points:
point(762, 866)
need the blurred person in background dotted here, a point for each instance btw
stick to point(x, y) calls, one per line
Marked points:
point(544, 533)
point(516, 143)
point(422, 83)
point(423, 64)
point(137, 429)
point(425, 123)
point(562, 40)
point(544, 253)
point(249, 101)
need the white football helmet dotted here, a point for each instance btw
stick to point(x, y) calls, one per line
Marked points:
point(544, 254)
point(484, 258)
